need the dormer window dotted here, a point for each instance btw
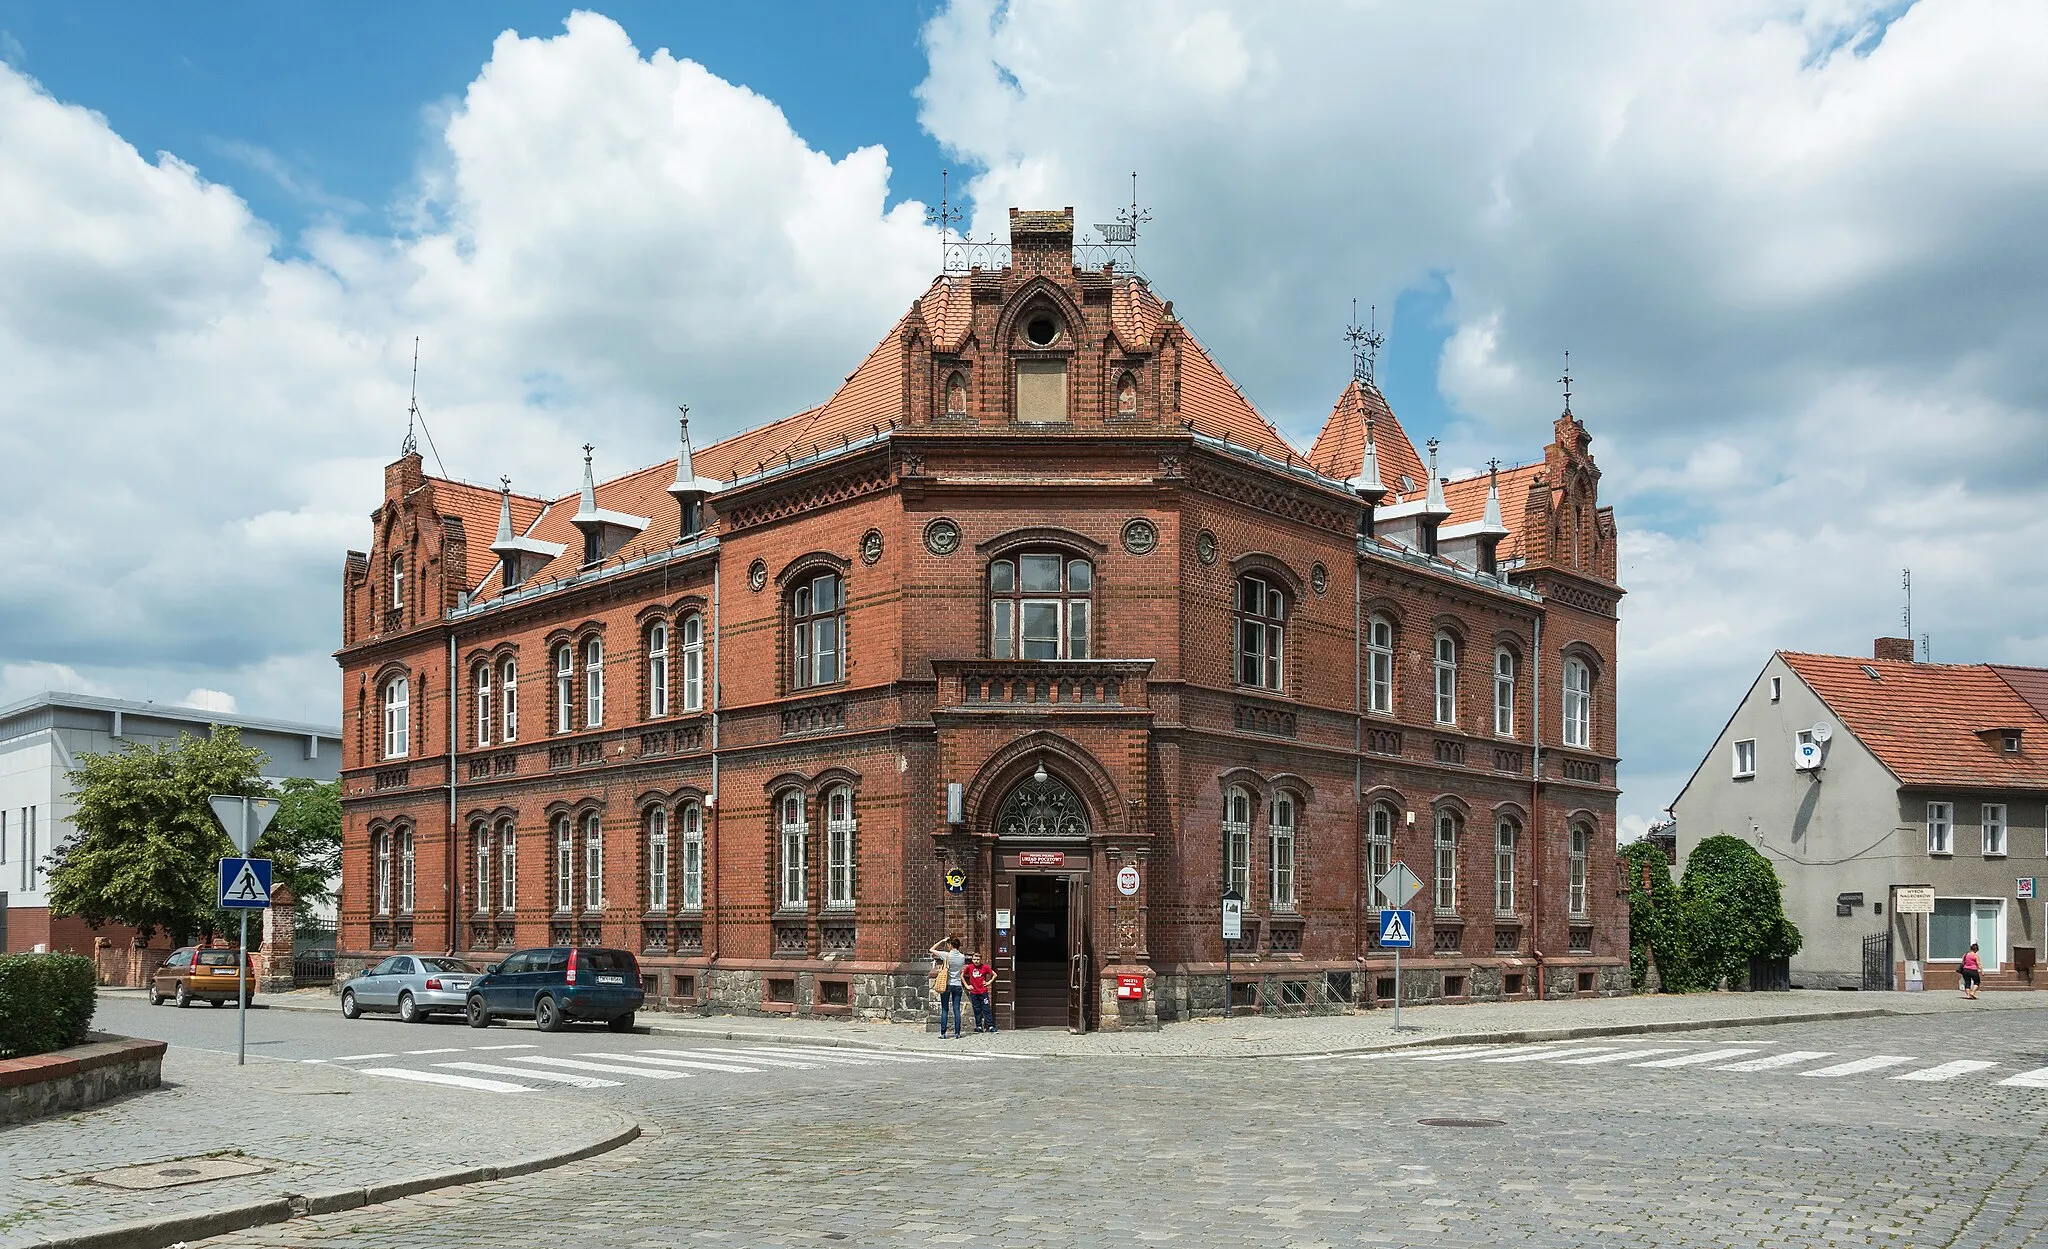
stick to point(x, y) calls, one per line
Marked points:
point(2011, 742)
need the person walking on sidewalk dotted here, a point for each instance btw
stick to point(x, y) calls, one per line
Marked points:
point(949, 976)
point(981, 979)
point(1973, 973)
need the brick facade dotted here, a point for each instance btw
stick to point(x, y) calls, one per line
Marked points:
point(1033, 411)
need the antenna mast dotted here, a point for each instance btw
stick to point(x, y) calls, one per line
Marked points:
point(1906, 583)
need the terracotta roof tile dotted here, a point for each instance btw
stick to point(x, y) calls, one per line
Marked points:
point(478, 508)
point(2029, 683)
point(1466, 497)
point(1923, 720)
point(1340, 448)
point(1213, 404)
point(1135, 311)
point(948, 311)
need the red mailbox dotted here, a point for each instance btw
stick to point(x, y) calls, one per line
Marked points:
point(1130, 987)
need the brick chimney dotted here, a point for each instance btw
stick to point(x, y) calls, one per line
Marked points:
point(1900, 649)
point(1041, 243)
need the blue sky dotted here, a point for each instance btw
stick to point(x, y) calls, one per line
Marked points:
point(1794, 250)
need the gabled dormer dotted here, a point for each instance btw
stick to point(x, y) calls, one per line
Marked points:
point(604, 532)
point(519, 556)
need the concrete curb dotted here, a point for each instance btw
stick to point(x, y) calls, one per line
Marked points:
point(158, 1233)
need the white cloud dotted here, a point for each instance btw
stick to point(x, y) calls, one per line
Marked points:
point(209, 700)
point(19, 681)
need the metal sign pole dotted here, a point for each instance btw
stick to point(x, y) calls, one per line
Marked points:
point(1397, 988)
point(242, 970)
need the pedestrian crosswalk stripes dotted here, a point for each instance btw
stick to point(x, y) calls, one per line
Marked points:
point(2035, 1079)
point(1876, 1062)
point(1691, 1057)
point(1771, 1062)
point(697, 1064)
point(507, 1068)
point(558, 1077)
point(443, 1077)
point(1622, 1056)
point(1700, 1058)
point(578, 1064)
point(755, 1059)
point(1948, 1071)
point(1528, 1056)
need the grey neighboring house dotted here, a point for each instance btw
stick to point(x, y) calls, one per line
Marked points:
point(40, 741)
point(1858, 776)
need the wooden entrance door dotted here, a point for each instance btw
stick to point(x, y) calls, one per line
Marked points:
point(1002, 952)
point(1080, 960)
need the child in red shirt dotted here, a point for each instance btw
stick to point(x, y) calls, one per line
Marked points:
point(981, 979)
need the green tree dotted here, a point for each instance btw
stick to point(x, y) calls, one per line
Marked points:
point(1653, 924)
point(305, 838)
point(1731, 909)
point(146, 843)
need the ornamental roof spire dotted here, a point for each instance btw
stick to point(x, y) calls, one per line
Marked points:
point(587, 507)
point(504, 512)
point(1433, 502)
point(687, 484)
point(1493, 524)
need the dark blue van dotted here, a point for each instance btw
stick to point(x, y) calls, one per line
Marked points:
point(557, 984)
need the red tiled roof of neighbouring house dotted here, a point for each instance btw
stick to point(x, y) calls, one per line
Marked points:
point(1932, 724)
point(1340, 447)
point(1213, 404)
point(1466, 497)
point(478, 508)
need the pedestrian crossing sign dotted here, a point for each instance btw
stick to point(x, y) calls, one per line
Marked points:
point(1397, 930)
point(245, 884)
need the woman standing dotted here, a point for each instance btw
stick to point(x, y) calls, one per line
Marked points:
point(1973, 973)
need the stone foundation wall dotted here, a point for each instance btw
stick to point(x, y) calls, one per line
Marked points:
point(1284, 991)
point(83, 1075)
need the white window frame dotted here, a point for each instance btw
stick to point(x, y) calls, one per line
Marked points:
point(565, 864)
point(480, 677)
point(565, 688)
point(1503, 692)
point(839, 842)
point(1379, 665)
point(1073, 612)
point(508, 867)
point(693, 856)
point(1282, 821)
point(1581, 850)
point(593, 862)
point(692, 633)
point(1941, 828)
point(1379, 850)
point(657, 671)
point(382, 870)
point(398, 581)
point(1446, 668)
point(1992, 830)
point(1445, 895)
point(1237, 841)
point(408, 877)
point(1259, 635)
point(508, 698)
point(817, 637)
point(657, 860)
point(593, 683)
point(793, 865)
point(1507, 835)
point(482, 875)
point(397, 718)
point(1743, 759)
point(1578, 703)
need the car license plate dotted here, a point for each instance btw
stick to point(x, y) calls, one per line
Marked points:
point(223, 971)
point(456, 986)
point(611, 980)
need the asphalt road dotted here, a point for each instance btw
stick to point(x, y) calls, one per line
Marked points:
point(1905, 1131)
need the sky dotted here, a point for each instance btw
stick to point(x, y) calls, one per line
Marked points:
point(1794, 248)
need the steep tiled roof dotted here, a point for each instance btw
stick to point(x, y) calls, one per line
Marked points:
point(478, 508)
point(2029, 683)
point(948, 309)
point(1340, 448)
point(1135, 311)
point(1923, 720)
point(1213, 404)
point(1467, 499)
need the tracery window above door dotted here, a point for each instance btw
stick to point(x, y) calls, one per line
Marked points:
point(1041, 809)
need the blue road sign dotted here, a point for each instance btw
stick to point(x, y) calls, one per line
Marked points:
point(1397, 930)
point(245, 884)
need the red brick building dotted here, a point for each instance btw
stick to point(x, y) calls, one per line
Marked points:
point(1035, 632)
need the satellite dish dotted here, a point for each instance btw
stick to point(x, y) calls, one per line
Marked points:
point(1822, 730)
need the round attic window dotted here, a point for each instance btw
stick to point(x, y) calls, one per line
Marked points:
point(1040, 331)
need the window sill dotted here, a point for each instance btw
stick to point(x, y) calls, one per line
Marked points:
point(1941, 854)
point(1744, 776)
point(1994, 854)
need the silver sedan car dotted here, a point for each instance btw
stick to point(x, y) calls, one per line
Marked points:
point(411, 986)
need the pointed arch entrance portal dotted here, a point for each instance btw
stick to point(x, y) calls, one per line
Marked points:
point(1043, 956)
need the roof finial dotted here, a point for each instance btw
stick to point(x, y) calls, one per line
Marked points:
point(588, 504)
point(1433, 501)
point(1493, 523)
point(686, 471)
point(1567, 381)
point(504, 511)
point(1365, 345)
point(945, 216)
point(411, 445)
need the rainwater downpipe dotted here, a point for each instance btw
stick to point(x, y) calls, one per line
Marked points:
point(1536, 802)
point(1358, 779)
point(448, 895)
point(717, 898)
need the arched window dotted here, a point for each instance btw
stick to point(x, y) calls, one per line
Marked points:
point(381, 848)
point(1237, 841)
point(593, 863)
point(1578, 703)
point(1040, 606)
point(508, 868)
point(1127, 396)
point(817, 612)
point(1447, 830)
point(692, 817)
point(693, 662)
point(480, 679)
point(565, 865)
point(1446, 679)
point(593, 683)
point(1280, 859)
point(956, 395)
point(657, 860)
point(398, 581)
point(480, 833)
point(1503, 692)
point(1259, 623)
point(565, 688)
point(1379, 850)
point(795, 843)
point(1505, 834)
point(406, 874)
point(1379, 665)
point(1581, 848)
point(657, 671)
point(508, 697)
point(397, 718)
point(839, 846)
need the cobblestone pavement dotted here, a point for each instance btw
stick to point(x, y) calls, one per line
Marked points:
point(311, 1127)
point(1266, 1035)
point(1786, 1136)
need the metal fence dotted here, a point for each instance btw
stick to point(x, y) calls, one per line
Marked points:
point(312, 953)
point(1877, 961)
